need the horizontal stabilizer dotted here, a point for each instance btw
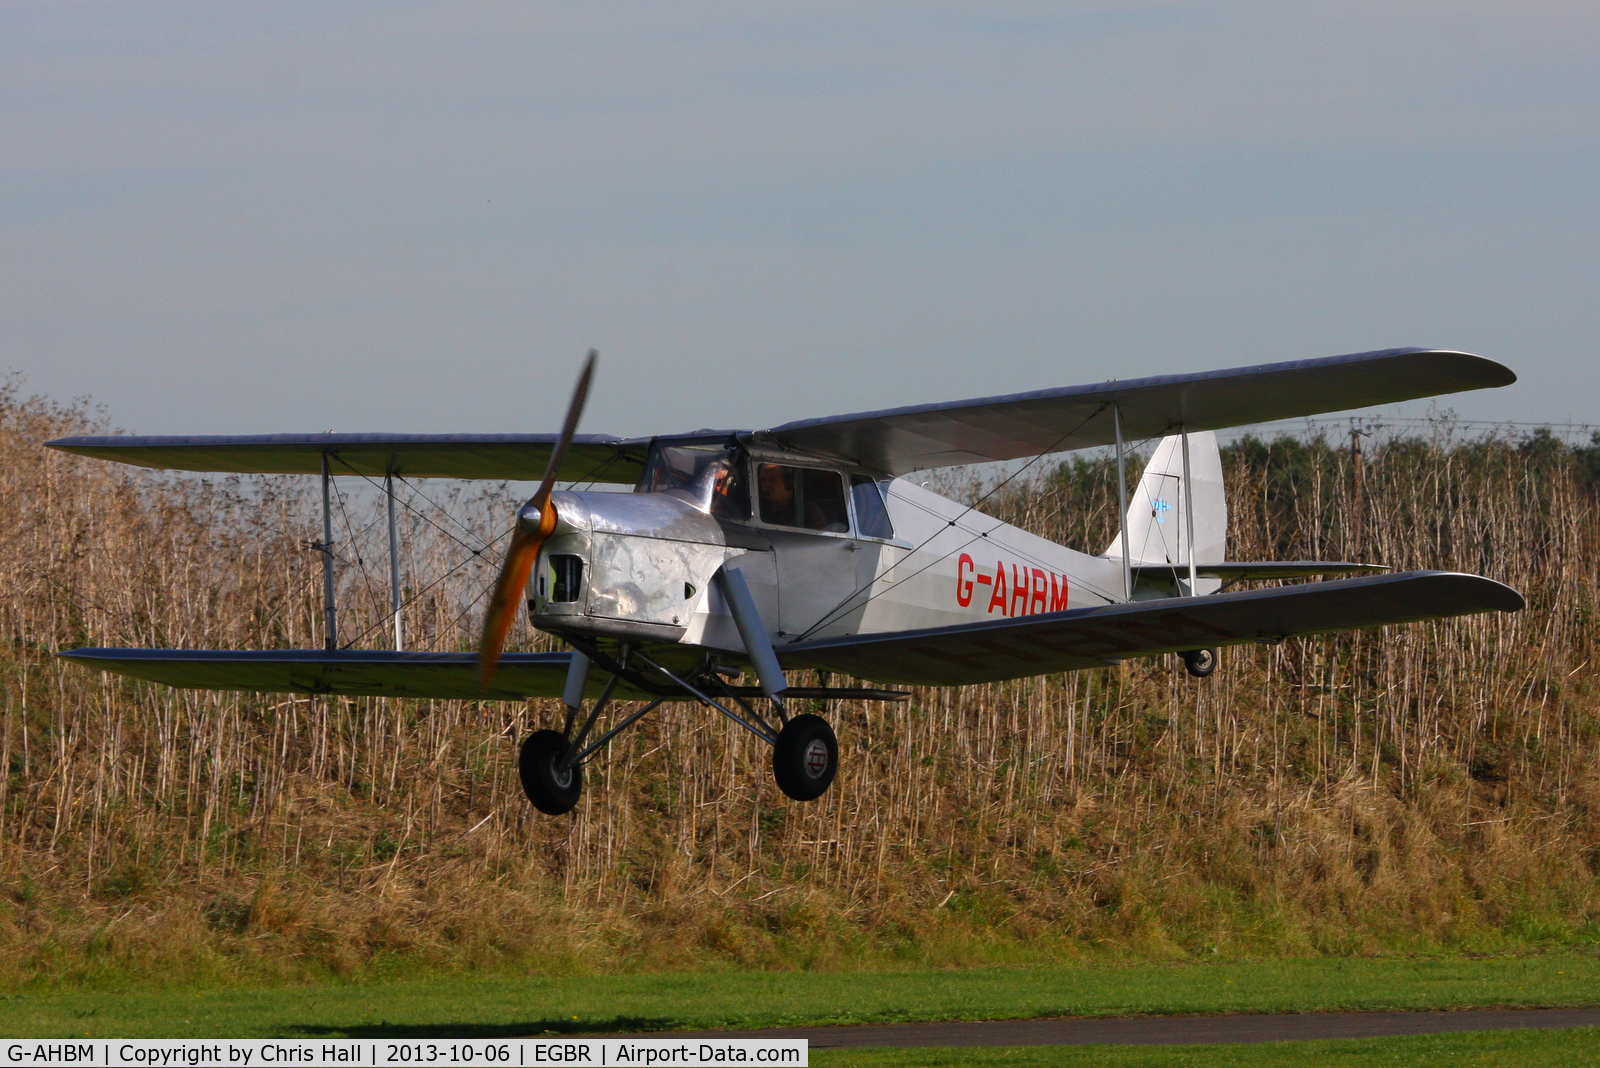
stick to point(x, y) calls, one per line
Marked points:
point(898, 440)
point(343, 672)
point(1234, 570)
point(1091, 637)
point(590, 458)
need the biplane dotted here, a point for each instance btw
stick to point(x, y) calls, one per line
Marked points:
point(745, 556)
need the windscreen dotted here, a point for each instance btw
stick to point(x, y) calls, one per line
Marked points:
point(710, 477)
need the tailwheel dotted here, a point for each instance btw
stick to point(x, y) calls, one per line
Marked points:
point(1200, 662)
point(552, 789)
point(805, 757)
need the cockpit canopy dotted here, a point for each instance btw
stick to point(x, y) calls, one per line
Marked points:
point(714, 477)
point(707, 477)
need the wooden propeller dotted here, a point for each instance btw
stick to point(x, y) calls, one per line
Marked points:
point(535, 521)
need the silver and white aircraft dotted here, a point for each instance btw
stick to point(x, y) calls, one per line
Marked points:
point(803, 547)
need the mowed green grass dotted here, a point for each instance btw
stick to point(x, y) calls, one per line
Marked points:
point(474, 1006)
point(1482, 1049)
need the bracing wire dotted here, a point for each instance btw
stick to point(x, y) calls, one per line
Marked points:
point(592, 476)
point(420, 594)
point(420, 514)
point(355, 541)
point(847, 604)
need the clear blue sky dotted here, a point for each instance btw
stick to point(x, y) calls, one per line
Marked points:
point(252, 217)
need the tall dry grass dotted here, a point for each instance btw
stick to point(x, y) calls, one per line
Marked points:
point(1426, 786)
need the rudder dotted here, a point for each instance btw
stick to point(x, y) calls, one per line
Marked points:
point(1158, 510)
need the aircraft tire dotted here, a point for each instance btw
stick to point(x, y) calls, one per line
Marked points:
point(805, 757)
point(1200, 662)
point(551, 790)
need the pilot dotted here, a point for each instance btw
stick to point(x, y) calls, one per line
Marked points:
point(728, 500)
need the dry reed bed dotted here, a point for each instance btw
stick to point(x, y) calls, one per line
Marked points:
point(1421, 786)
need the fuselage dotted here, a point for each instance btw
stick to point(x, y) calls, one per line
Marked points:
point(825, 549)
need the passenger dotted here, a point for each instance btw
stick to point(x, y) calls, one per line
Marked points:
point(777, 495)
point(828, 516)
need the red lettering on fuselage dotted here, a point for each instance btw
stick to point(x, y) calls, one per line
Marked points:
point(1030, 590)
point(998, 600)
point(1019, 590)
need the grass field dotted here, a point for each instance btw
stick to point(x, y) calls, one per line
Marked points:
point(1490, 1049)
point(479, 1007)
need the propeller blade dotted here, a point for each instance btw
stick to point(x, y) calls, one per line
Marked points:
point(569, 428)
point(513, 579)
point(528, 537)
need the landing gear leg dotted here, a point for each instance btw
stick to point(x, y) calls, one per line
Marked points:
point(550, 761)
point(805, 754)
point(1200, 662)
point(805, 757)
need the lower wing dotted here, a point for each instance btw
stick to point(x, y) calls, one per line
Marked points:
point(345, 672)
point(949, 656)
point(1094, 637)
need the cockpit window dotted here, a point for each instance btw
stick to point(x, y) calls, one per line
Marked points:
point(710, 477)
point(802, 497)
point(872, 518)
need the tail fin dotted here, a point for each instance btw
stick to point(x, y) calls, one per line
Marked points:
point(1158, 511)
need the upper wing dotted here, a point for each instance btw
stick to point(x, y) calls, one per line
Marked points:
point(346, 672)
point(591, 458)
point(895, 441)
point(1092, 637)
point(1076, 417)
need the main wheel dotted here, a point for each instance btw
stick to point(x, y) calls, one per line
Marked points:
point(1200, 662)
point(552, 790)
point(805, 757)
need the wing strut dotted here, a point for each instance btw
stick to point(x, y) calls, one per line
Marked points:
point(394, 564)
point(330, 616)
point(747, 617)
point(1122, 503)
point(1188, 508)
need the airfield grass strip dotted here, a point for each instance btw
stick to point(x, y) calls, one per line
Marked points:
point(1482, 1049)
point(1420, 789)
point(463, 1006)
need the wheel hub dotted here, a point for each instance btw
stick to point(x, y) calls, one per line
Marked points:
point(816, 763)
point(561, 776)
